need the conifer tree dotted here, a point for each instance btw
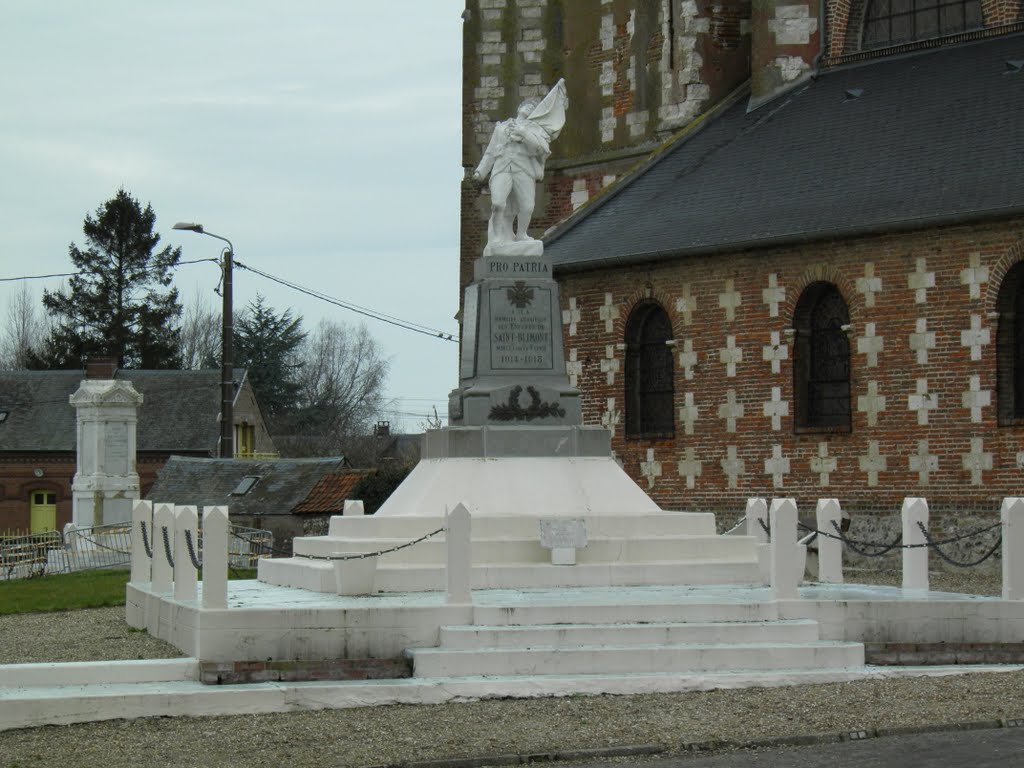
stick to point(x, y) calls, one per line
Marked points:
point(267, 344)
point(120, 305)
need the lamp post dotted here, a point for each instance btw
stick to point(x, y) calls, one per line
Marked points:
point(227, 385)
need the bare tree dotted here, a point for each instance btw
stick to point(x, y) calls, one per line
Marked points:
point(342, 378)
point(200, 336)
point(25, 331)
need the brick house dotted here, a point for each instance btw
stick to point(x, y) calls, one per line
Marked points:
point(178, 416)
point(789, 247)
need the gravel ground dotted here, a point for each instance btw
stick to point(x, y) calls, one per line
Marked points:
point(382, 735)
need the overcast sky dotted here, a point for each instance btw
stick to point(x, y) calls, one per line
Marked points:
point(321, 136)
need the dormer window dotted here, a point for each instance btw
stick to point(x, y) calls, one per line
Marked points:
point(890, 22)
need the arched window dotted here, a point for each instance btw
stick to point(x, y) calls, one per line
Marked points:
point(821, 359)
point(649, 371)
point(888, 22)
point(1010, 346)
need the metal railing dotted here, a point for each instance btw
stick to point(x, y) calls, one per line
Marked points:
point(107, 546)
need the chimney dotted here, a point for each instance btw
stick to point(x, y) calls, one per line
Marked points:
point(101, 368)
point(785, 39)
point(382, 429)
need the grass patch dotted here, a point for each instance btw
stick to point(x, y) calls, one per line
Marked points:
point(73, 591)
point(63, 592)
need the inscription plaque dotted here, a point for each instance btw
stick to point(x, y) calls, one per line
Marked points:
point(520, 326)
point(117, 449)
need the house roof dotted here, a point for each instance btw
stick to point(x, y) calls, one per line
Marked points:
point(920, 139)
point(179, 410)
point(283, 483)
point(331, 492)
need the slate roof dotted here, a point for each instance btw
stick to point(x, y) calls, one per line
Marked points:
point(283, 484)
point(178, 413)
point(934, 137)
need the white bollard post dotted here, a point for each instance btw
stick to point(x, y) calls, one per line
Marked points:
point(757, 510)
point(215, 557)
point(352, 508)
point(186, 527)
point(830, 550)
point(163, 574)
point(459, 561)
point(142, 515)
point(784, 576)
point(915, 561)
point(1012, 517)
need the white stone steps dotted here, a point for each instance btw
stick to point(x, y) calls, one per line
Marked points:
point(318, 575)
point(529, 550)
point(559, 636)
point(630, 659)
point(524, 526)
point(618, 613)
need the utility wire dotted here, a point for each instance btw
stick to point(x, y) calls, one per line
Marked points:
point(76, 274)
point(373, 314)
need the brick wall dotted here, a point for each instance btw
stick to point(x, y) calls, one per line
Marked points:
point(923, 373)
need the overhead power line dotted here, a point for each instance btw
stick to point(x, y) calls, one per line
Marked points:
point(365, 311)
point(76, 274)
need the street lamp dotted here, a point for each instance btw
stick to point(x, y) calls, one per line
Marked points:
point(227, 385)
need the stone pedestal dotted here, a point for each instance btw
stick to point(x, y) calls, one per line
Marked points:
point(512, 367)
point(106, 481)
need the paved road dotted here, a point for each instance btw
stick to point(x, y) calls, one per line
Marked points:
point(997, 748)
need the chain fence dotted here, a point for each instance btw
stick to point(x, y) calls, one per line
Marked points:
point(109, 546)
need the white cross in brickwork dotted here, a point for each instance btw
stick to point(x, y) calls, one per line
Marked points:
point(872, 403)
point(609, 312)
point(610, 365)
point(872, 463)
point(688, 413)
point(610, 416)
point(921, 340)
point(574, 367)
point(975, 337)
point(773, 295)
point(775, 352)
point(686, 305)
point(729, 300)
point(687, 358)
point(1020, 460)
point(974, 275)
point(776, 408)
point(571, 316)
point(823, 464)
point(922, 401)
point(730, 355)
point(976, 398)
point(869, 285)
point(730, 411)
point(870, 345)
point(690, 467)
point(650, 469)
point(732, 466)
point(777, 466)
point(977, 461)
point(923, 463)
point(920, 281)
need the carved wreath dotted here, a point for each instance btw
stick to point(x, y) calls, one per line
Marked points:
point(513, 411)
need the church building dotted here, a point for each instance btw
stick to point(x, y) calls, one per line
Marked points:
point(789, 238)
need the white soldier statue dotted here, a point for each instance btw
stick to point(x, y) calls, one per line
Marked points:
point(514, 160)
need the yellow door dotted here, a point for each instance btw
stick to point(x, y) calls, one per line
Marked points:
point(43, 511)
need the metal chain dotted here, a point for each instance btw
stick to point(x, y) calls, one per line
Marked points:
point(167, 546)
point(767, 532)
point(856, 545)
point(372, 554)
point(196, 562)
point(145, 540)
point(936, 544)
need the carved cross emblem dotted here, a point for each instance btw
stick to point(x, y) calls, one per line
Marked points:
point(520, 295)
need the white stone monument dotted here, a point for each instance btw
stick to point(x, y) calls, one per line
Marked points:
point(106, 481)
